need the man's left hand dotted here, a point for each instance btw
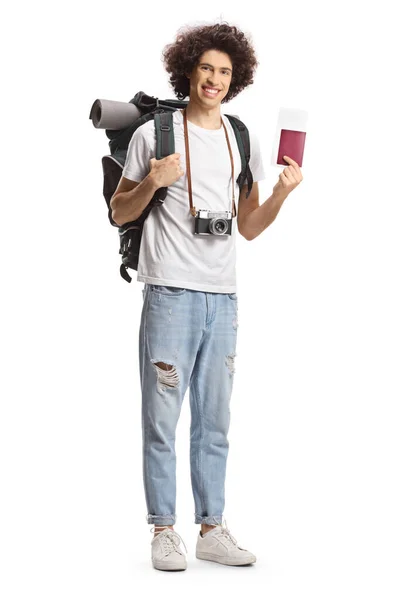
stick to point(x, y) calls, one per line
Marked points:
point(289, 179)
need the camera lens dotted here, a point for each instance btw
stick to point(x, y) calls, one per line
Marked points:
point(218, 226)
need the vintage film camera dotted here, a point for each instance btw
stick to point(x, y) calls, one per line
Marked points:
point(209, 222)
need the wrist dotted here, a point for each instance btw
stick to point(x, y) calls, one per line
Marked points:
point(153, 181)
point(279, 196)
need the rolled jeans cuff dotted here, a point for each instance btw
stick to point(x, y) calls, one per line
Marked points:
point(214, 520)
point(161, 519)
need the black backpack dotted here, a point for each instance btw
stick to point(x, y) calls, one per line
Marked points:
point(162, 113)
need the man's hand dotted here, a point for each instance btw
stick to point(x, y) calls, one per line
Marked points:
point(289, 179)
point(167, 170)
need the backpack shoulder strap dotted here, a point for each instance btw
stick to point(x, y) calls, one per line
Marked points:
point(165, 144)
point(243, 142)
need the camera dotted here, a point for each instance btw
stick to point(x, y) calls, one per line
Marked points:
point(213, 222)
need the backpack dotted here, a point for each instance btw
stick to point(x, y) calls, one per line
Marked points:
point(161, 111)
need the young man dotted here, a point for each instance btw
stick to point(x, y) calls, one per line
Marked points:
point(189, 320)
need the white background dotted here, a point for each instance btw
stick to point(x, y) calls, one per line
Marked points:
point(313, 470)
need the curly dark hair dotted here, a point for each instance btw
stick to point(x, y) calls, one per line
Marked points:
point(184, 54)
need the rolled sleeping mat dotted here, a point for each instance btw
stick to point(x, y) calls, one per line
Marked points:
point(111, 114)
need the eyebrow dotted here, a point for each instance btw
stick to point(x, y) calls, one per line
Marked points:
point(208, 65)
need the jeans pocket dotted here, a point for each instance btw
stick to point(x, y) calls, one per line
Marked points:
point(167, 290)
point(233, 296)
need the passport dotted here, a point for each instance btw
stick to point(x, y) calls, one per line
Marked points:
point(290, 136)
point(291, 144)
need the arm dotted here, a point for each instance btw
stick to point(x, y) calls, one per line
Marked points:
point(136, 186)
point(131, 198)
point(252, 218)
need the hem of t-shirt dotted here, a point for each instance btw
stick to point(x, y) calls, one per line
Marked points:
point(132, 176)
point(199, 287)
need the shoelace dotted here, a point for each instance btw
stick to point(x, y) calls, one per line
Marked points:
point(170, 540)
point(225, 535)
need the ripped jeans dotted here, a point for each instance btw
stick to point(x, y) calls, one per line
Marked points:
point(187, 339)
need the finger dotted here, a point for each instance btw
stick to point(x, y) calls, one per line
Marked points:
point(283, 178)
point(294, 173)
point(293, 163)
point(290, 175)
point(290, 160)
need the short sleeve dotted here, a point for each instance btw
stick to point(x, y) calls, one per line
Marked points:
point(137, 162)
point(256, 163)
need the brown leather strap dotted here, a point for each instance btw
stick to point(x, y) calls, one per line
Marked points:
point(192, 208)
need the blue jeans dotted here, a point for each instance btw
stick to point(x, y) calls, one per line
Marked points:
point(187, 338)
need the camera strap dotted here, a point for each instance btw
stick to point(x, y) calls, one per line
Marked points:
point(193, 208)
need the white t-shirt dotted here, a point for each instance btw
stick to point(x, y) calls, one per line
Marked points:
point(171, 253)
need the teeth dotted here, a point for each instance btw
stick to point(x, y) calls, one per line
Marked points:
point(211, 91)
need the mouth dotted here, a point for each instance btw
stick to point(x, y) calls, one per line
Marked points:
point(210, 92)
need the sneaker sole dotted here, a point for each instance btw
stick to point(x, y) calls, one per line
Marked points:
point(225, 560)
point(168, 566)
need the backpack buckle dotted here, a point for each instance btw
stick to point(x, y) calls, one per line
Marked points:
point(165, 128)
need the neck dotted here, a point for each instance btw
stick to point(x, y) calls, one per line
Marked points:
point(208, 118)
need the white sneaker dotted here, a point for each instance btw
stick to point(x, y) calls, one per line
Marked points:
point(220, 546)
point(165, 551)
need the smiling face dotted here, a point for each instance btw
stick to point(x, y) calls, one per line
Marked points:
point(213, 71)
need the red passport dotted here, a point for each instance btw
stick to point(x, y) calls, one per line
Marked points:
point(291, 144)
